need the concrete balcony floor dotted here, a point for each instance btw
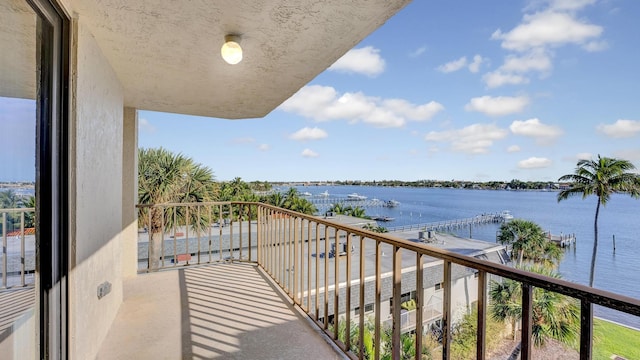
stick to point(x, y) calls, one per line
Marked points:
point(226, 311)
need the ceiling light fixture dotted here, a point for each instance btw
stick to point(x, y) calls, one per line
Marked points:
point(231, 51)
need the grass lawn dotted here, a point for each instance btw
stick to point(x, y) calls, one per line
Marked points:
point(610, 338)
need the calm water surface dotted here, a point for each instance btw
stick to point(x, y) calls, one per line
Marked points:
point(617, 271)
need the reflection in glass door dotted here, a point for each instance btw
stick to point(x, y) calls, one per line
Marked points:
point(18, 91)
point(32, 321)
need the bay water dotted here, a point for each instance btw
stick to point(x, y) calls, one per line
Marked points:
point(616, 270)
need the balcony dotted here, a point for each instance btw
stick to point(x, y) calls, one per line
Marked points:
point(249, 280)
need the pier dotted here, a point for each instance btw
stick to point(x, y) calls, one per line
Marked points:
point(562, 240)
point(322, 202)
point(451, 224)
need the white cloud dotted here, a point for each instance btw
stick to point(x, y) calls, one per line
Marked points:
point(632, 155)
point(472, 139)
point(413, 112)
point(366, 60)
point(308, 133)
point(533, 128)
point(531, 61)
point(620, 129)
point(497, 78)
point(595, 46)
point(323, 103)
point(578, 156)
point(513, 149)
point(244, 140)
point(569, 4)
point(547, 28)
point(146, 126)
point(417, 52)
point(454, 65)
point(264, 147)
point(547, 24)
point(474, 66)
point(308, 153)
point(497, 106)
point(534, 163)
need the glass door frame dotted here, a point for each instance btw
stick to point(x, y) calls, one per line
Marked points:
point(52, 178)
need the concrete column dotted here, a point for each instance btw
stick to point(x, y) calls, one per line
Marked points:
point(130, 192)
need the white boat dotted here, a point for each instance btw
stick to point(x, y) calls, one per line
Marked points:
point(392, 203)
point(356, 196)
point(324, 194)
point(506, 215)
point(306, 193)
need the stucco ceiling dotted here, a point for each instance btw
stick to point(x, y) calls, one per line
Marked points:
point(17, 50)
point(167, 53)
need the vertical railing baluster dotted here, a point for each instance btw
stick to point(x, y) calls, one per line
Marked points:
point(376, 333)
point(175, 238)
point(150, 239)
point(4, 249)
point(347, 341)
point(481, 336)
point(308, 266)
point(22, 262)
point(249, 233)
point(336, 282)
point(317, 267)
point(446, 312)
point(586, 329)
point(290, 255)
point(198, 230)
point(186, 230)
point(419, 304)
point(362, 302)
point(397, 294)
point(326, 278)
point(296, 266)
point(209, 218)
point(230, 232)
point(220, 225)
point(240, 221)
point(527, 323)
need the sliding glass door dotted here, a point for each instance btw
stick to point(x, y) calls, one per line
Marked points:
point(33, 179)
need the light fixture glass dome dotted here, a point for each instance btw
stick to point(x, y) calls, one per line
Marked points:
point(231, 51)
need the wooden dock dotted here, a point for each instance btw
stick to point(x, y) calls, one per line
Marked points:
point(562, 240)
point(451, 224)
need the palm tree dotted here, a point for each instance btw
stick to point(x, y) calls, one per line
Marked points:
point(600, 177)
point(529, 241)
point(554, 316)
point(165, 177)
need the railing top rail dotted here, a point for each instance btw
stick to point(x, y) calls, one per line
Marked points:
point(582, 292)
point(17, 210)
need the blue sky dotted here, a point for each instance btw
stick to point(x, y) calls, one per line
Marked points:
point(459, 89)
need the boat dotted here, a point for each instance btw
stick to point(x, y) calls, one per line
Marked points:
point(392, 203)
point(306, 193)
point(506, 215)
point(324, 194)
point(356, 196)
point(383, 218)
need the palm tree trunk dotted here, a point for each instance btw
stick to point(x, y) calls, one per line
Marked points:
point(516, 352)
point(595, 245)
point(155, 250)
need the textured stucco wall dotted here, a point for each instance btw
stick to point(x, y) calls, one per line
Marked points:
point(130, 192)
point(96, 192)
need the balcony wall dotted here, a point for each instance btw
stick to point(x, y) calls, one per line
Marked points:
point(96, 204)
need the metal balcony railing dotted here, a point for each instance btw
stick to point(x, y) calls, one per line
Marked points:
point(336, 273)
point(18, 247)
